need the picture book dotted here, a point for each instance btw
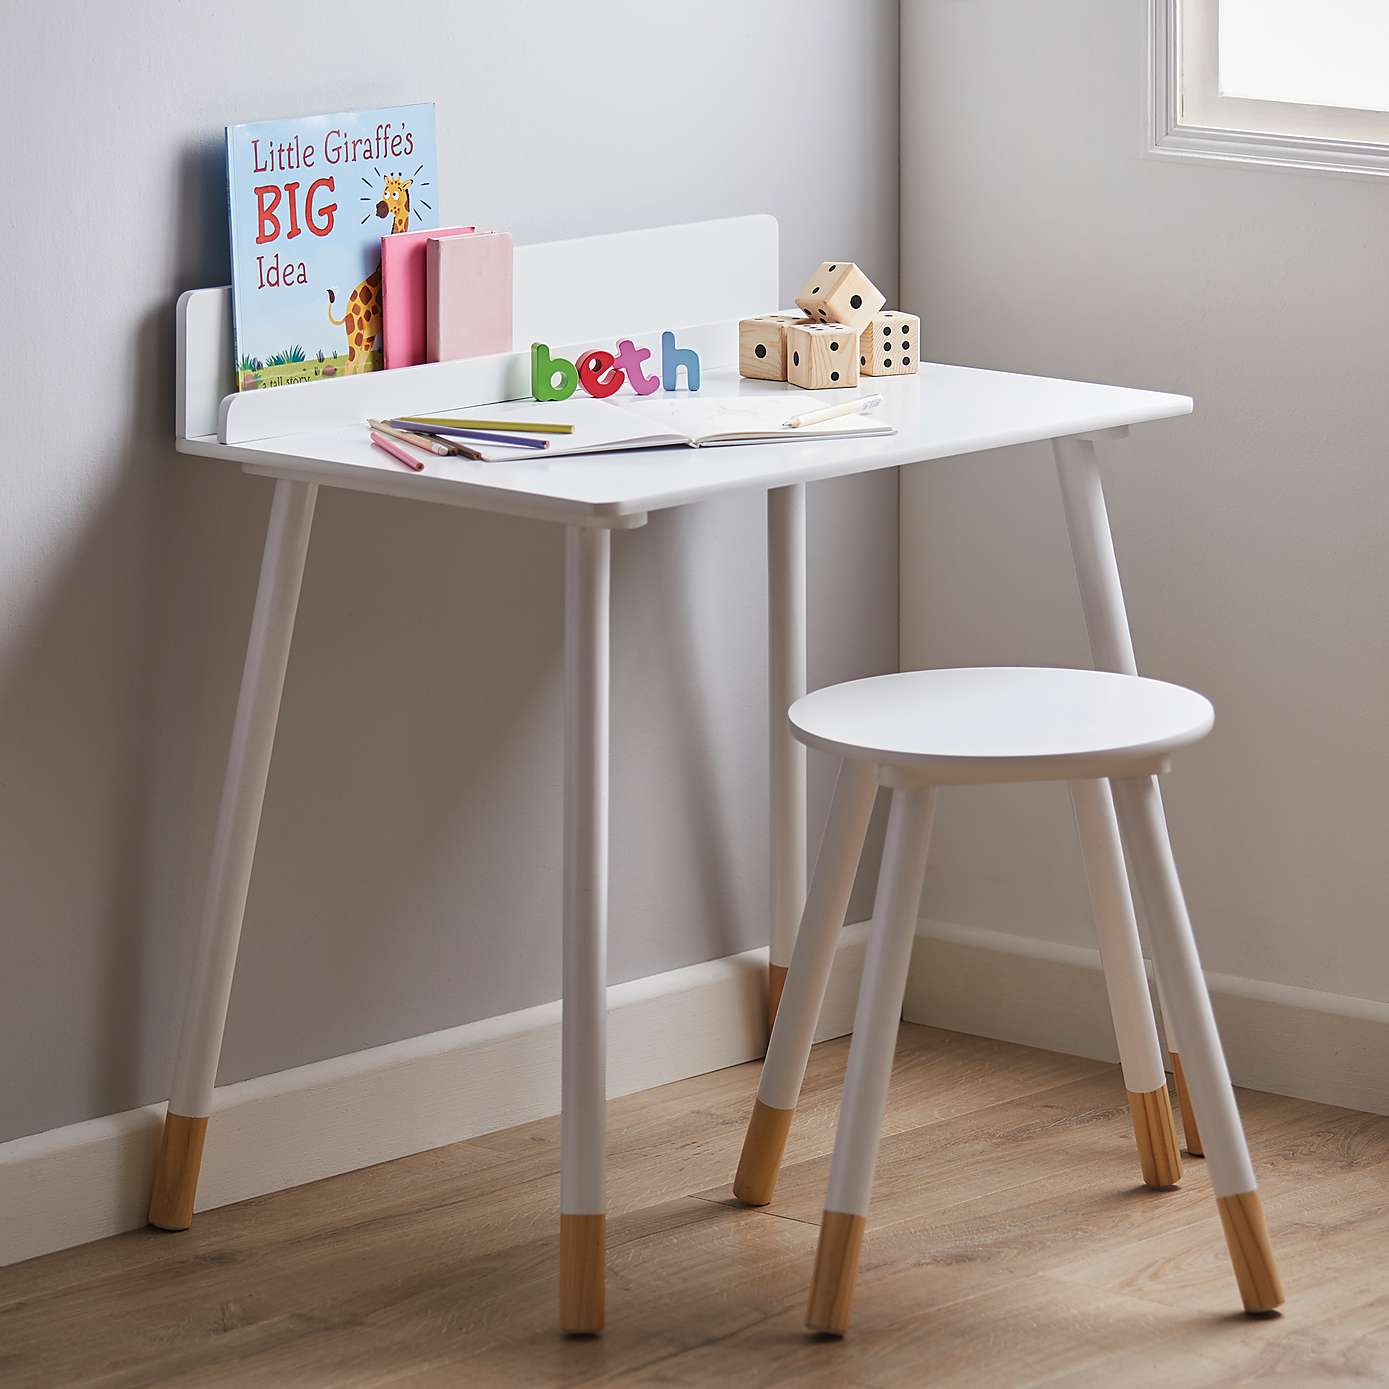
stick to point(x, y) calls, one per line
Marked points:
point(309, 200)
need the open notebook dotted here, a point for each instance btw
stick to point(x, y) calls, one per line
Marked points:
point(600, 426)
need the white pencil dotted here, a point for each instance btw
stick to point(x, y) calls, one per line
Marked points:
point(833, 412)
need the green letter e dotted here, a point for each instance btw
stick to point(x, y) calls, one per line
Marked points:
point(543, 371)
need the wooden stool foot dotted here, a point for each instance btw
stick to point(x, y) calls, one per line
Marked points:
point(776, 982)
point(581, 1256)
point(176, 1172)
point(763, 1146)
point(1246, 1235)
point(1189, 1130)
point(1156, 1137)
point(836, 1272)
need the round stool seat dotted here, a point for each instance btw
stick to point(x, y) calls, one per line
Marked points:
point(1003, 723)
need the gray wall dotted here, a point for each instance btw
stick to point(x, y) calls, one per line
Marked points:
point(1036, 237)
point(408, 874)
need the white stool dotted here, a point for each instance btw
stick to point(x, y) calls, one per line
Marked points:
point(923, 729)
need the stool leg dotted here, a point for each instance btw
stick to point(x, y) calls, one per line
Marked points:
point(870, 1060)
point(1184, 986)
point(786, 639)
point(1127, 983)
point(1192, 1135)
point(794, 1031)
point(1107, 625)
point(1190, 1131)
point(583, 1040)
point(233, 851)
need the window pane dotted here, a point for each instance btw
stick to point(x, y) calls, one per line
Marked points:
point(1312, 52)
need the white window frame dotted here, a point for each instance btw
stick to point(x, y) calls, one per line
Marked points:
point(1189, 119)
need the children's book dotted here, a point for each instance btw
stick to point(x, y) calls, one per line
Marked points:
point(467, 295)
point(403, 286)
point(309, 200)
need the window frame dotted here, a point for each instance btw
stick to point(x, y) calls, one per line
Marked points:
point(1195, 122)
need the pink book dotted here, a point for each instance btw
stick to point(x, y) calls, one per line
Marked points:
point(468, 295)
point(403, 277)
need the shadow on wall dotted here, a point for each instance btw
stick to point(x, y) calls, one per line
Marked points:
point(409, 874)
point(78, 719)
point(92, 814)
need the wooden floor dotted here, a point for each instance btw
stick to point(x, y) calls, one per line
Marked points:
point(1010, 1244)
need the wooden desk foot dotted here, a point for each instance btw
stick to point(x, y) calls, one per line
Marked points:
point(176, 1172)
point(763, 1145)
point(581, 1253)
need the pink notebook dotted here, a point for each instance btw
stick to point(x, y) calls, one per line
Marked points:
point(468, 295)
point(403, 279)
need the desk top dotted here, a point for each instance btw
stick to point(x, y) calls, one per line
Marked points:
point(941, 412)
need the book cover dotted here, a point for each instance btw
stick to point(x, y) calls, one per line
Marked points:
point(403, 285)
point(469, 295)
point(309, 200)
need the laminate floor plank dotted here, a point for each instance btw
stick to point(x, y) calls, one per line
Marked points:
point(1010, 1243)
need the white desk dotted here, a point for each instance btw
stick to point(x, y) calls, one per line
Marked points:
point(312, 436)
point(942, 412)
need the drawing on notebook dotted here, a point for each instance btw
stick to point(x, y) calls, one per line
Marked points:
point(667, 421)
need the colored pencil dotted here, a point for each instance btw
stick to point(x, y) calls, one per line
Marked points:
point(458, 448)
point(516, 427)
point(832, 412)
point(419, 441)
point(396, 451)
point(482, 436)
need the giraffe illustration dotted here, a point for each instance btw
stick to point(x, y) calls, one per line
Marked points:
point(361, 320)
point(395, 202)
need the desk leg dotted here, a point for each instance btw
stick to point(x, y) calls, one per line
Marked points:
point(233, 849)
point(786, 683)
point(1111, 645)
point(583, 1198)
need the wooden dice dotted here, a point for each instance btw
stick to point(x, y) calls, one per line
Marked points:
point(888, 345)
point(839, 292)
point(822, 355)
point(762, 345)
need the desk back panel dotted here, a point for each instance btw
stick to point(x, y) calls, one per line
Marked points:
point(571, 294)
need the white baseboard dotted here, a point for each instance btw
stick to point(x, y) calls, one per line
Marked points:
point(1316, 1046)
point(90, 1180)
